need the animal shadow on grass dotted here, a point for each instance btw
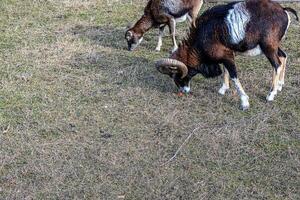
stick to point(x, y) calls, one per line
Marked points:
point(122, 70)
point(103, 35)
point(112, 37)
point(121, 67)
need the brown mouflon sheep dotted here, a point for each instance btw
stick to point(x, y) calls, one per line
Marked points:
point(159, 14)
point(250, 28)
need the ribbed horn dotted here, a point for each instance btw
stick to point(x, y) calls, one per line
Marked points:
point(168, 65)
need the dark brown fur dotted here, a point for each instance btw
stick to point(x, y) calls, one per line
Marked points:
point(209, 43)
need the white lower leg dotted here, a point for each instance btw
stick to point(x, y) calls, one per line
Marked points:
point(280, 85)
point(275, 84)
point(225, 85)
point(175, 47)
point(160, 36)
point(223, 89)
point(282, 74)
point(271, 95)
point(244, 97)
point(190, 18)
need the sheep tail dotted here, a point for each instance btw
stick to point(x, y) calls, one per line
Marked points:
point(292, 11)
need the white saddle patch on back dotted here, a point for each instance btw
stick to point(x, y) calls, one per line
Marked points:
point(252, 52)
point(173, 5)
point(236, 21)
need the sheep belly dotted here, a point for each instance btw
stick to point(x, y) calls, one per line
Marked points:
point(252, 52)
point(181, 19)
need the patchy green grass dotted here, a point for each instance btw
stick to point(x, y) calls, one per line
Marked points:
point(82, 118)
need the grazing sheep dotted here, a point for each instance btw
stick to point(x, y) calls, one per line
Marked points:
point(158, 14)
point(251, 28)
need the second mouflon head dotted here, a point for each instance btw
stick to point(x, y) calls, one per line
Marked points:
point(159, 14)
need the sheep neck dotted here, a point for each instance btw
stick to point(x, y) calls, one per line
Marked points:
point(143, 24)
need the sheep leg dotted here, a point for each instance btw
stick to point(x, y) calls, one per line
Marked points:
point(230, 66)
point(274, 86)
point(172, 27)
point(283, 58)
point(160, 36)
point(194, 12)
point(225, 85)
point(278, 67)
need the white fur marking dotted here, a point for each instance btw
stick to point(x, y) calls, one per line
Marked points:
point(280, 85)
point(280, 88)
point(289, 22)
point(190, 18)
point(279, 70)
point(185, 89)
point(276, 88)
point(223, 89)
point(271, 96)
point(140, 40)
point(175, 47)
point(181, 19)
point(245, 102)
point(236, 22)
point(159, 44)
point(174, 25)
point(252, 52)
point(244, 97)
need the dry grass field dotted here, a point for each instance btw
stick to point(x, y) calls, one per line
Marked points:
point(83, 118)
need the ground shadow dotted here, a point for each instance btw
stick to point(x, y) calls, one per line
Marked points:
point(123, 70)
point(113, 37)
point(103, 35)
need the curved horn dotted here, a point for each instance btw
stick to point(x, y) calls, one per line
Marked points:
point(168, 65)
